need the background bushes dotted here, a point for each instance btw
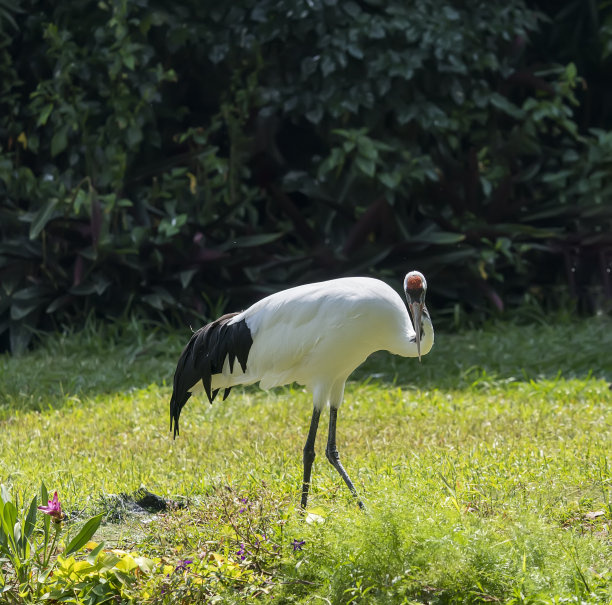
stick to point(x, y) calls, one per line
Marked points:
point(174, 159)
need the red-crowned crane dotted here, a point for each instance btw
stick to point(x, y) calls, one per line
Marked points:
point(315, 335)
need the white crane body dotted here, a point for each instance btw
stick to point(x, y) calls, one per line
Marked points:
point(303, 326)
point(315, 335)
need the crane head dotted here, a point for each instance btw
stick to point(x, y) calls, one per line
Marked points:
point(415, 287)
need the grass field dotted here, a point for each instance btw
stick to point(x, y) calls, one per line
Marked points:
point(486, 470)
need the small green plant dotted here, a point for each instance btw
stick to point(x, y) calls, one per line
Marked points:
point(28, 546)
point(100, 577)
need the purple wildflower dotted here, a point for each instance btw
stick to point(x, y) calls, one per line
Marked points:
point(241, 552)
point(53, 509)
point(297, 544)
point(182, 565)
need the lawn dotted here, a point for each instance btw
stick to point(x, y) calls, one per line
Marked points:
point(486, 471)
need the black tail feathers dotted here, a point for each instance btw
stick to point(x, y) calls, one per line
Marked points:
point(204, 356)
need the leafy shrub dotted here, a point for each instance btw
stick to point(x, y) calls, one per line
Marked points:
point(169, 160)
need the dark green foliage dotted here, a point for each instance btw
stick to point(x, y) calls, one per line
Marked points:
point(171, 159)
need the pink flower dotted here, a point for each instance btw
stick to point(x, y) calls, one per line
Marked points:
point(53, 508)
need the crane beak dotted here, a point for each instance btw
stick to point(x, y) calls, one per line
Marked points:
point(416, 310)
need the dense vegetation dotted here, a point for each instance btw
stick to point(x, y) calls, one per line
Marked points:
point(169, 159)
point(485, 470)
point(160, 162)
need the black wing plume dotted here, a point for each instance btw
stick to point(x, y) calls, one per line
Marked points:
point(204, 356)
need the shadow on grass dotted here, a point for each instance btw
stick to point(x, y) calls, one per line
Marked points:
point(503, 352)
point(101, 359)
point(104, 360)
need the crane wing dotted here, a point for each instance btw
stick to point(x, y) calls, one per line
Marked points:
point(204, 356)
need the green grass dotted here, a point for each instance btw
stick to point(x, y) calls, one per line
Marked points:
point(486, 469)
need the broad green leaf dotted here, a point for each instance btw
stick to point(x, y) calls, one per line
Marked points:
point(5, 14)
point(248, 241)
point(528, 173)
point(134, 135)
point(93, 555)
point(327, 65)
point(154, 300)
point(451, 14)
point(27, 294)
point(390, 179)
point(58, 303)
point(3, 538)
point(315, 115)
point(9, 519)
point(44, 114)
point(439, 237)
point(129, 61)
point(560, 175)
point(333, 160)
point(366, 148)
point(44, 495)
point(186, 276)
point(352, 8)
point(19, 310)
point(42, 217)
point(259, 14)
point(366, 166)
point(98, 284)
point(107, 561)
point(145, 564)
point(126, 563)
point(503, 104)
point(457, 92)
point(81, 566)
point(86, 533)
point(355, 51)
point(30, 522)
point(599, 211)
point(59, 141)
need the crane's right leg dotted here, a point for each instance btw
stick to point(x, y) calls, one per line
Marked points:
point(309, 454)
point(331, 451)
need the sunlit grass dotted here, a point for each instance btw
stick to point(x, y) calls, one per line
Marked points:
point(486, 469)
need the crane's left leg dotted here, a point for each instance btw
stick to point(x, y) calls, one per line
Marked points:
point(309, 454)
point(331, 451)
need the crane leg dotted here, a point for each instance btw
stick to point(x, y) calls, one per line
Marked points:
point(309, 454)
point(331, 451)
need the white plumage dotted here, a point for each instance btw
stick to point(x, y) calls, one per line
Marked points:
point(315, 335)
